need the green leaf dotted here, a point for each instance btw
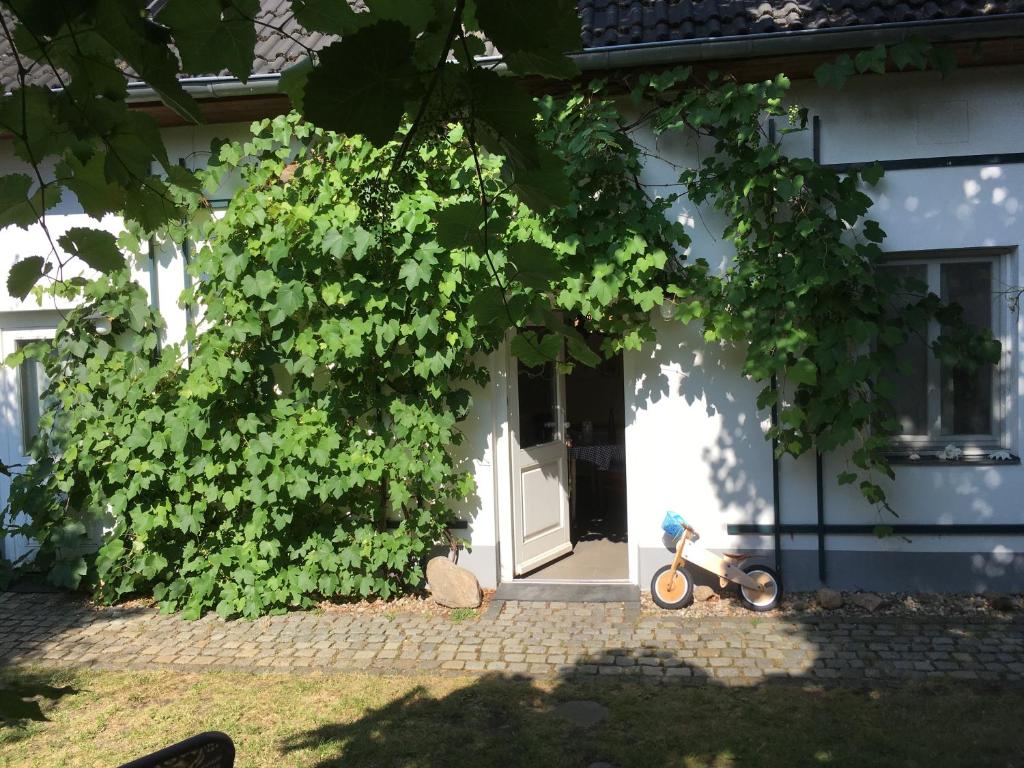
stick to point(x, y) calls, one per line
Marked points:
point(508, 116)
point(910, 52)
point(211, 35)
point(871, 60)
point(546, 64)
point(835, 74)
point(536, 266)
point(361, 82)
point(68, 573)
point(943, 59)
point(873, 232)
point(415, 15)
point(541, 28)
point(542, 187)
point(142, 44)
point(488, 307)
point(803, 371)
point(20, 208)
point(260, 284)
point(533, 350)
point(459, 226)
point(25, 274)
point(95, 247)
point(331, 16)
point(417, 270)
point(14, 209)
point(873, 173)
point(293, 82)
point(88, 182)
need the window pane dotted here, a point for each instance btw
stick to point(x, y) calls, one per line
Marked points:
point(911, 399)
point(32, 382)
point(538, 405)
point(967, 397)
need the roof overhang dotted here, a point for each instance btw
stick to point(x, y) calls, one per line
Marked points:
point(992, 40)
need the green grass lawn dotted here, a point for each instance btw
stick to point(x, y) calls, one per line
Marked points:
point(422, 722)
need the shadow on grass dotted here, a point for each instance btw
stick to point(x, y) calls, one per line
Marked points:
point(500, 721)
point(23, 696)
point(687, 720)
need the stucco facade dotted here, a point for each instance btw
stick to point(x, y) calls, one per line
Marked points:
point(693, 436)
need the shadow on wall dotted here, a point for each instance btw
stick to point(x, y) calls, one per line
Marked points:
point(738, 459)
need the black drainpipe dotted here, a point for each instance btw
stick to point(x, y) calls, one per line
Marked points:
point(776, 512)
point(816, 155)
point(776, 495)
point(821, 521)
point(154, 286)
point(186, 260)
point(188, 285)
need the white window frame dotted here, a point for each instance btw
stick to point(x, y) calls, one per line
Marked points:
point(1004, 275)
point(12, 419)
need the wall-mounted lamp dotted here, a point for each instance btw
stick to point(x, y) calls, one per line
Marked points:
point(102, 324)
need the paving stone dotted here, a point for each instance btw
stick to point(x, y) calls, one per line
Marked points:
point(535, 639)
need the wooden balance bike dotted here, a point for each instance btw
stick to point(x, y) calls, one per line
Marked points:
point(760, 588)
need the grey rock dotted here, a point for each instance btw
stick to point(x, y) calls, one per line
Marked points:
point(829, 599)
point(582, 714)
point(703, 593)
point(452, 586)
point(869, 601)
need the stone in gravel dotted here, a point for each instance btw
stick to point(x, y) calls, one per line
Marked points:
point(1000, 602)
point(451, 585)
point(829, 599)
point(869, 601)
point(582, 714)
point(702, 593)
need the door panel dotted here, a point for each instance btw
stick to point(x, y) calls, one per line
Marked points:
point(540, 466)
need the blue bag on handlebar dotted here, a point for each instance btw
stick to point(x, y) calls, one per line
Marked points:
point(674, 524)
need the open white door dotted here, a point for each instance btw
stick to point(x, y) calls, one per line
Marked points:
point(540, 497)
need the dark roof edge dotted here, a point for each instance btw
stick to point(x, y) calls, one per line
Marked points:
point(797, 42)
point(666, 52)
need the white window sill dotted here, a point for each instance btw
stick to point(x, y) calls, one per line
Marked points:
point(929, 458)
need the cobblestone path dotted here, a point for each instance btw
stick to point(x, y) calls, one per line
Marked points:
point(534, 639)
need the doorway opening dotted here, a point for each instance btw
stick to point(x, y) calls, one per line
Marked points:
point(593, 432)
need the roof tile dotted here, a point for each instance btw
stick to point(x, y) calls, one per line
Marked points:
point(281, 41)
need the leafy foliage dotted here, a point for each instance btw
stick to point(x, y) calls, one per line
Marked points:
point(806, 293)
point(912, 52)
point(392, 58)
point(307, 446)
point(304, 448)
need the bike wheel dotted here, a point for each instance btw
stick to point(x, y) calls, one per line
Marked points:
point(672, 593)
point(767, 598)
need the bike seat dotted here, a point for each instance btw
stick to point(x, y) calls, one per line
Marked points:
point(736, 555)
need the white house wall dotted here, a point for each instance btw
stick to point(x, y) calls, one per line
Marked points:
point(693, 436)
point(693, 442)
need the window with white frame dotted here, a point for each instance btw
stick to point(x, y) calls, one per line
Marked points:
point(32, 382)
point(937, 406)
